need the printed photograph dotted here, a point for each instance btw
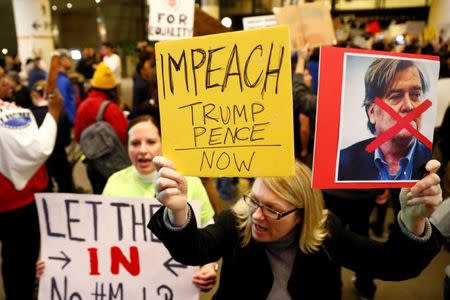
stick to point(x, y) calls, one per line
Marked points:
point(388, 107)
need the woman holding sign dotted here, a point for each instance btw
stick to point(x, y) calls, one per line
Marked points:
point(144, 143)
point(279, 242)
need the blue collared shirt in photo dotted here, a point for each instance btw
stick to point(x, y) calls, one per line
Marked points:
point(406, 165)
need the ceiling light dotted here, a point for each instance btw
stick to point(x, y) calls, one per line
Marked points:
point(227, 22)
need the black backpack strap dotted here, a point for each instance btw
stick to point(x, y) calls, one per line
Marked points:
point(102, 109)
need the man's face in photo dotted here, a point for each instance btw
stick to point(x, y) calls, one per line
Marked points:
point(404, 94)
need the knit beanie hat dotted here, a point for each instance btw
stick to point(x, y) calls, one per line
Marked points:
point(103, 78)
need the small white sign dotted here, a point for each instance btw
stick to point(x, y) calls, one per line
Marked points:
point(171, 19)
point(99, 247)
point(259, 22)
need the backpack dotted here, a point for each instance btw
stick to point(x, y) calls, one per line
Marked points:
point(102, 147)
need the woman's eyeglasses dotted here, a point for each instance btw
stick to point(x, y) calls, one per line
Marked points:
point(269, 212)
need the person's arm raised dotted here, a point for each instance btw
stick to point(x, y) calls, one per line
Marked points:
point(171, 191)
point(419, 202)
point(55, 105)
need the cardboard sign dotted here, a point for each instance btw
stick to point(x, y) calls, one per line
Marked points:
point(226, 103)
point(170, 19)
point(98, 247)
point(308, 23)
point(259, 22)
point(352, 140)
point(415, 27)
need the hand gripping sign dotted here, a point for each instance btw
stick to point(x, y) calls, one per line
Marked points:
point(375, 118)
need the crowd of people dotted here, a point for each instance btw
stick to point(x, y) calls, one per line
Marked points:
point(289, 238)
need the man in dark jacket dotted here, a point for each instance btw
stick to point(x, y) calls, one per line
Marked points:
point(141, 84)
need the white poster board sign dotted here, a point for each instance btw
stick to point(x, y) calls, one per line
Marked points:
point(259, 22)
point(171, 19)
point(98, 247)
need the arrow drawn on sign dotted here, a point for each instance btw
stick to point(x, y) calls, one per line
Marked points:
point(65, 258)
point(175, 264)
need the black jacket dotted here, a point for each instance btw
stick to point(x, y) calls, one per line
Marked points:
point(246, 272)
point(357, 164)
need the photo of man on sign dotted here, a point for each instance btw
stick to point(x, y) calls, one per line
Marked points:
point(398, 100)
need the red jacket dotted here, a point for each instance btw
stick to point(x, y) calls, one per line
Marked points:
point(87, 114)
point(11, 198)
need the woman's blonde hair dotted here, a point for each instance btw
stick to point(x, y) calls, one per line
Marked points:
point(297, 191)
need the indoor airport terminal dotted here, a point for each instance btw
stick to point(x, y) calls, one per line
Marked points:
point(220, 149)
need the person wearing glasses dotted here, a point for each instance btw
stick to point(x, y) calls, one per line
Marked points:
point(278, 242)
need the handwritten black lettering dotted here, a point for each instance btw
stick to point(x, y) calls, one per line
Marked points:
point(208, 84)
point(224, 160)
point(70, 220)
point(207, 110)
point(222, 63)
point(273, 72)
point(177, 65)
point(233, 57)
point(242, 163)
point(198, 131)
point(164, 290)
point(99, 293)
point(246, 79)
point(94, 216)
point(55, 292)
point(135, 223)
point(119, 207)
point(196, 66)
point(116, 294)
point(255, 130)
point(47, 221)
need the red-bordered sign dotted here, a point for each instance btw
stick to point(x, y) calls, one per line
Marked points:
point(342, 121)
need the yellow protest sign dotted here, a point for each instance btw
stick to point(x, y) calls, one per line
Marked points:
point(226, 103)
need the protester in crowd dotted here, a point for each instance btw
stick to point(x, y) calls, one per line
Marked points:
point(305, 104)
point(103, 88)
point(58, 166)
point(141, 83)
point(21, 94)
point(441, 151)
point(24, 148)
point(13, 64)
point(79, 92)
point(112, 60)
point(36, 72)
point(279, 243)
point(64, 84)
point(313, 68)
point(144, 143)
point(86, 64)
point(6, 89)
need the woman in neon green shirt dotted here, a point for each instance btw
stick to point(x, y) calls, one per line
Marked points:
point(144, 143)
